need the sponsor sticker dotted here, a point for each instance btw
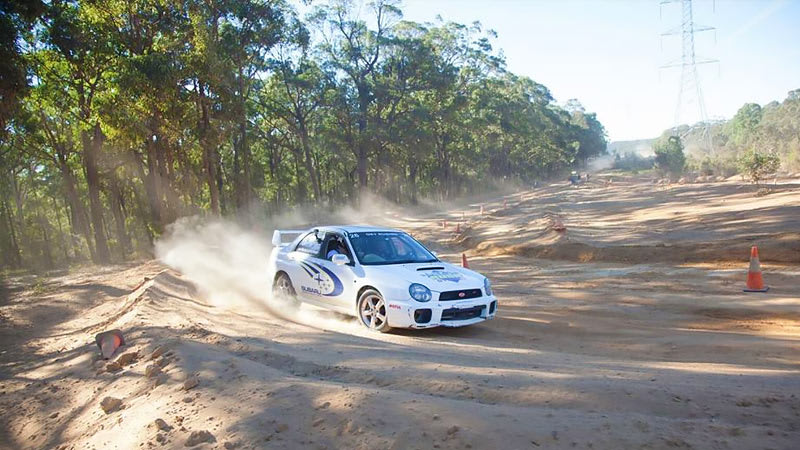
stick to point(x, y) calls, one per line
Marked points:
point(327, 283)
point(443, 275)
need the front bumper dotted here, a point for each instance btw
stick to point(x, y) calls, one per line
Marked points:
point(412, 314)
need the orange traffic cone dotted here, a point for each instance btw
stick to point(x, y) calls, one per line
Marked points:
point(109, 342)
point(464, 262)
point(754, 281)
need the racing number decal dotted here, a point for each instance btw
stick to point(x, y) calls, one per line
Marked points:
point(327, 283)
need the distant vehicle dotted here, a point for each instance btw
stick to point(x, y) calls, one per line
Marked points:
point(574, 178)
point(382, 276)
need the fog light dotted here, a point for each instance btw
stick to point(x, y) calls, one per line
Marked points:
point(422, 315)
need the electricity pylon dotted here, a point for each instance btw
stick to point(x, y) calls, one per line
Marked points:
point(689, 93)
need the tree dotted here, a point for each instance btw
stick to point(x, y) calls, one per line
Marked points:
point(745, 122)
point(16, 18)
point(139, 112)
point(756, 165)
point(295, 94)
point(669, 155)
point(354, 49)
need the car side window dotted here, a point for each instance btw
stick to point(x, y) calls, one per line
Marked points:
point(309, 245)
point(335, 243)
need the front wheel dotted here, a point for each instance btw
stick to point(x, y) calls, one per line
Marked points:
point(372, 311)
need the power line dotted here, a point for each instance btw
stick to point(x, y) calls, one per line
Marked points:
point(690, 91)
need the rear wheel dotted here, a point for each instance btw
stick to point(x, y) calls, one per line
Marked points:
point(283, 290)
point(372, 311)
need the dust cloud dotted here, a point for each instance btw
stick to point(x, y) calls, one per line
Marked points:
point(601, 163)
point(230, 266)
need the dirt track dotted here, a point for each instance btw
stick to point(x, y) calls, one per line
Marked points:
point(583, 354)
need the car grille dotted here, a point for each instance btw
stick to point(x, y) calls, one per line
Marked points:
point(456, 295)
point(462, 314)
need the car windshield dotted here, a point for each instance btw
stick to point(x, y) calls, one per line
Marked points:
point(389, 247)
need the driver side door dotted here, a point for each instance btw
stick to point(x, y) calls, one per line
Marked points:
point(303, 273)
point(339, 280)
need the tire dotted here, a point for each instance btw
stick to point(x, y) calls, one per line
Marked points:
point(282, 290)
point(372, 311)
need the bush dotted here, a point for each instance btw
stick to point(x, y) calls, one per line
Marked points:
point(669, 155)
point(718, 165)
point(756, 165)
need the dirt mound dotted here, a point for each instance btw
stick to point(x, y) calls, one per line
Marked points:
point(632, 222)
point(783, 248)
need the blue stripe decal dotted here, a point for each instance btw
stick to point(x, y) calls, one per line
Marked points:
point(307, 271)
point(308, 267)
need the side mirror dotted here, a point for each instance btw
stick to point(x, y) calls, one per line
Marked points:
point(340, 259)
point(276, 238)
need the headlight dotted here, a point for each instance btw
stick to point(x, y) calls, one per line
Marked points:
point(487, 286)
point(420, 293)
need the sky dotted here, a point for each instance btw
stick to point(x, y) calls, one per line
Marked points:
point(607, 53)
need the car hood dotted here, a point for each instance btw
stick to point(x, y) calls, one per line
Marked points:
point(438, 276)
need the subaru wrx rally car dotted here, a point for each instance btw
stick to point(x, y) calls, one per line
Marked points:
point(382, 276)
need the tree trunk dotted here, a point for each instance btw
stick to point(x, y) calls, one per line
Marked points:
point(361, 143)
point(442, 152)
point(16, 258)
point(152, 184)
point(77, 211)
point(47, 250)
point(209, 153)
point(141, 202)
point(301, 186)
point(63, 244)
point(244, 146)
point(237, 173)
point(412, 180)
point(91, 150)
point(116, 199)
point(312, 173)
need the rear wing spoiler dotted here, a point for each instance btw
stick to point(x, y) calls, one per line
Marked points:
point(278, 235)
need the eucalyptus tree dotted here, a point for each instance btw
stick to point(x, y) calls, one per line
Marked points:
point(147, 105)
point(17, 18)
point(463, 63)
point(295, 94)
point(77, 54)
point(51, 139)
point(248, 29)
point(351, 48)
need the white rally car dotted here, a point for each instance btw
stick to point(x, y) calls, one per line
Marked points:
point(382, 276)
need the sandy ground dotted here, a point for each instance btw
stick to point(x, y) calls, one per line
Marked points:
point(587, 351)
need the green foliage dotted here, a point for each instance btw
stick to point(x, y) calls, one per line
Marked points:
point(744, 124)
point(16, 20)
point(756, 165)
point(772, 128)
point(669, 155)
point(146, 111)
